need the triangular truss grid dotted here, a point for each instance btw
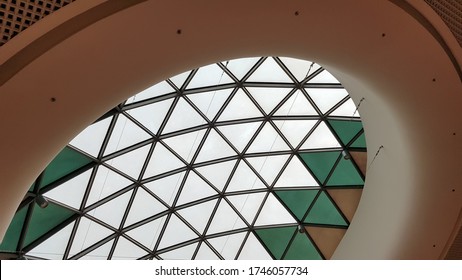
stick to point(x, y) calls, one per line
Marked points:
point(251, 158)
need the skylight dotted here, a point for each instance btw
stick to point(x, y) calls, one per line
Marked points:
point(253, 158)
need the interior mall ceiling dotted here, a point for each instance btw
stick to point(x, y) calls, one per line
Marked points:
point(397, 54)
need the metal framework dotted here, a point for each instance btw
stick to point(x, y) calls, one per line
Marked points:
point(253, 120)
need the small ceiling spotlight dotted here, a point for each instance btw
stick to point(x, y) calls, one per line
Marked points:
point(41, 201)
point(346, 155)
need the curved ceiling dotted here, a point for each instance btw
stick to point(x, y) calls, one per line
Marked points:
point(102, 52)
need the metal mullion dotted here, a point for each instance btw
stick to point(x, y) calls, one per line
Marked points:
point(227, 141)
point(295, 118)
point(110, 113)
point(189, 101)
point(145, 257)
point(190, 226)
point(342, 118)
point(311, 206)
point(311, 76)
point(149, 101)
point(226, 233)
point(264, 154)
point(71, 237)
point(146, 221)
point(307, 151)
point(212, 216)
point(269, 84)
point(273, 226)
point(281, 171)
point(252, 191)
point(67, 177)
point(50, 233)
point(183, 131)
point(256, 173)
point(284, 100)
point(282, 135)
point(25, 227)
point(110, 197)
point(336, 106)
point(174, 152)
point(326, 226)
point(252, 139)
point(93, 247)
point(177, 246)
point(29, 198)
point(324, 85)
point(313, 104)
point(297, 148)
point(320, 184)
point(163, 175)
point(286, 69)
point(240, 121)
point(213, 249)
point(263, 244)
point(128, 149)
point(209, 88)
point(227, 71)
point(206, 180)
point(139, 124)
point(134, 241)
point(200, 146)
point(188, 79)
point(197, 202)
point(199, 244)
point(154, 195)
point(231, 174)
point(225, 104)
point(101, 223)
point(239, 251)
point(255, 102)
point(169, 114)
point(236, 211)
point(297, 188)
point(108, 135)
point(115, 170)
point(259, 210)
point(128, 208)
point(254, 68)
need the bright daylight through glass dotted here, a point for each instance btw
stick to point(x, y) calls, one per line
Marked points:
point(253, 158)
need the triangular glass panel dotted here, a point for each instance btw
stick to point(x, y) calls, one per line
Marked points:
point(301, 248)
point(148, 234)
point(225, 219)
point(268, 98)
point(296, 105)
point(324, 212)
point(360, 158)
point(296, 175)
point(112, 211)
point(228, 245)
point(240, 134)
point(194, 189)
point(276, 239)
point(106, 182)
point(274, 213)
point(247, 204)
point(214, 147)
point(210, 102)
point(345, 174)
point(153, 91)
point(100, 253)
point(295, 130)
point(162, 160)
point(320, 163)
point(360, 142)
point(205, 253)
point(11, 238)
point(326, 98)
point(240, 107)
point(298, 201)
point(144, 205)
point(346, 130)
point(268, 140)
point(186, 144)
point(45, 219)
point(269, 71)
point(71, 192)
point(182, 253)
point(132, 162)
point(175, 233)
point(127, 250)
point(166, 188)
point(347, 109)
point(198, 215)
point(299, 68)
point(210, 75)
point(268, 167)
point(217, 174)
point(321, 138)
point(152, 115)
point(91, 139)
point(88, 233)
point(253, 250)
point(240, 67)
point(183, 116)
point(66, 162)
point(244, 179)
point(53, 247)
point(179, 79)
point(125, 134)
point(327, 239)
point(323, 78)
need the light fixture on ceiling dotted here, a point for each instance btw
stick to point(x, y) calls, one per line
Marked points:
point(41, 201)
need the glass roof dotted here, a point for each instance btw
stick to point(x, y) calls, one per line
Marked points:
point(253, 158)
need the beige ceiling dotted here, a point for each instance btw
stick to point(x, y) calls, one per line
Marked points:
point(93, 54)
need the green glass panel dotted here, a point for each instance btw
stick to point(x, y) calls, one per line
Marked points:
point(10, 241)
point(324, 212)
point(345, 174)
point(360, 142)
point(298, 201)
point(302, 249)
point(44, 219)
point(67, 161)
point(346, 130)
point(276, 239)
point(320, 163)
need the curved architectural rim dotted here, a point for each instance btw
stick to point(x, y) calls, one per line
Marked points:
point(410, 85)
